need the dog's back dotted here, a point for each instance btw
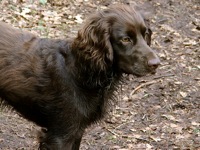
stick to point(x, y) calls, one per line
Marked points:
point(11, 38)
point(13, 60)
point(18, 67)
point(13, 44)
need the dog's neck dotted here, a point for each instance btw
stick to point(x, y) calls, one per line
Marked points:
point(90, 78)
point(98, 88)
point(90, 75)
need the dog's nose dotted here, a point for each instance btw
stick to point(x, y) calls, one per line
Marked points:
point(154, 63)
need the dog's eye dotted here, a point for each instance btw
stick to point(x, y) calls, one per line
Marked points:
point(126, 40)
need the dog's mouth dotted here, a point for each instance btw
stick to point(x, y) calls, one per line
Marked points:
point(153, 72)
point(145, 74)
point(139, 71)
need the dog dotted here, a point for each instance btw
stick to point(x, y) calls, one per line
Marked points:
point(65, 85)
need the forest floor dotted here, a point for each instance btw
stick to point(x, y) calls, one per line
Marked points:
point(159, 112)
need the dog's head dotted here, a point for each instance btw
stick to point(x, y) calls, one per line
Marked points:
point(121, 37)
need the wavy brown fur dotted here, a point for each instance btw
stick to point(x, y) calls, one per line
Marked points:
point(65, 85)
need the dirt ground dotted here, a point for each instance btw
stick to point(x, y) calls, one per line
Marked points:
point(159, 112)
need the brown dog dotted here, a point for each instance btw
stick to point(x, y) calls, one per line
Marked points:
point(65, 85)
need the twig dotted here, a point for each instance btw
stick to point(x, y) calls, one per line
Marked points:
point(149, 82)
point(113, 132)
point(162, 76)
point(142, 85)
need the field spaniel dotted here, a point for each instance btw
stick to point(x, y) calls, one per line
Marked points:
point(65, 85)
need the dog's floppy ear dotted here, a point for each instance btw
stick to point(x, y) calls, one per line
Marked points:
point(94, 41)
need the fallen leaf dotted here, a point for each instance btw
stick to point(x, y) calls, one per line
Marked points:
point(183, 94)
point(156, 139)
point(78, 19)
